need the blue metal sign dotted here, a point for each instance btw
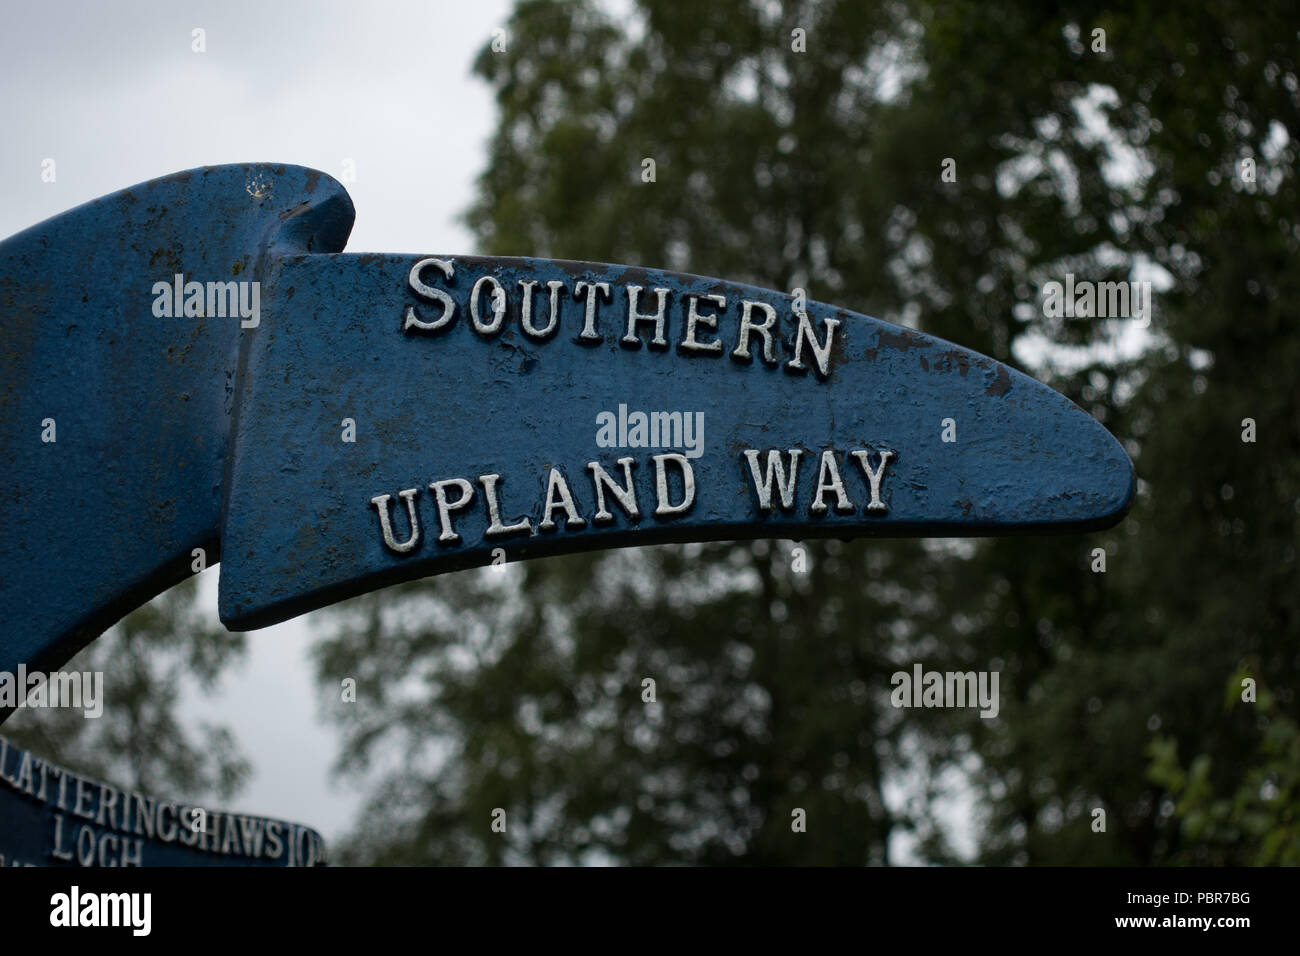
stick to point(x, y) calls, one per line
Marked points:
point(211, 373)
point(51, 816)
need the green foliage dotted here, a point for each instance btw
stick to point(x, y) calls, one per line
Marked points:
point(1258, 822)
point(822, 170)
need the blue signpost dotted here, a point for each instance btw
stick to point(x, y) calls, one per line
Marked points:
point(191, 369)
point(52, 816)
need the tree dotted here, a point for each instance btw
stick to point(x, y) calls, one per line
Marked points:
point(1257, 823)
point(825, 169)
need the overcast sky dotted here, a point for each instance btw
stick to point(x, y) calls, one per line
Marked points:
point(115, 95)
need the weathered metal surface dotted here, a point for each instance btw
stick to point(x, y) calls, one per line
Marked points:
point(300, 528)
point(444, 401)
point(52, 816)
point(99, 521)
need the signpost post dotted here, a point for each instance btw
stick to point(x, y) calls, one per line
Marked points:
point(192, 369)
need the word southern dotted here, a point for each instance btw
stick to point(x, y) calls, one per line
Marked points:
point(774, 476)
point(637, 311)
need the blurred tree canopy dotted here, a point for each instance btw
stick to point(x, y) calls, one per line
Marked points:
point(1257, 822)
point(1151, 143)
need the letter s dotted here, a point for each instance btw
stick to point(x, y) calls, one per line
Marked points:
point(413, 321)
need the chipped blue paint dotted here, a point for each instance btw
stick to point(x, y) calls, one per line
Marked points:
point(177, 433)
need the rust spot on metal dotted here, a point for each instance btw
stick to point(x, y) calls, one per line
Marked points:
point(902, 340)
point(953, 358)
point(1000, 384)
